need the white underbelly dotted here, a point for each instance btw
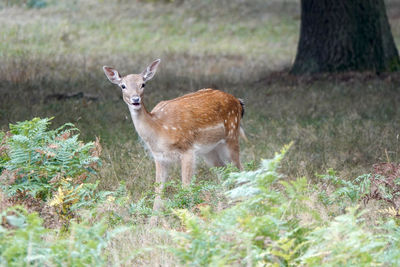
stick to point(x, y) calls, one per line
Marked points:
point(201, 149)
point(166, 156)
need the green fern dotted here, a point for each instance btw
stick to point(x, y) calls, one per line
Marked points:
point(28, 243)
point(345, 193)
point(266, 226)
point(261, 227)
point(344, 242)
point(40, 157)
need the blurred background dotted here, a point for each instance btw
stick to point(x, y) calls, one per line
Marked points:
point(52, 53)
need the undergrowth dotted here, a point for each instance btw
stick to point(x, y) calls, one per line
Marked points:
point(51, 52)
point(27, 242)
point(272, 222)
point(43, 167)
point(256, 217)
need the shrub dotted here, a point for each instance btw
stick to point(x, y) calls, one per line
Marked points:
point(22, 243)
point(345, 241)
point(271, 222)
point(261, 226)
point(385, 184)
point(38, 160)
point(195, 195)
point(344, 193)
point(47, 165)
point(27, 242)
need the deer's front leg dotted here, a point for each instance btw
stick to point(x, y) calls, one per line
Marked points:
point(187, 164)
point(161, 177)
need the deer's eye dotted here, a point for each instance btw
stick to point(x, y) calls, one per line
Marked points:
point(123, 86)
point(143, 85)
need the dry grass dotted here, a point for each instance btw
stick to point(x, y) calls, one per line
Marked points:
point(244, 47)
point(143, 246)
point(346, 123)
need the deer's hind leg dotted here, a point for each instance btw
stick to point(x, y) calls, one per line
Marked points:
point(213, 159)
point(229, 152)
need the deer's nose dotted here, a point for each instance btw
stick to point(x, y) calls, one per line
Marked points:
point(135, 99)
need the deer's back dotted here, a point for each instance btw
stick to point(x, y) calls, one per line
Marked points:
point(200, 109)
point(206, 116)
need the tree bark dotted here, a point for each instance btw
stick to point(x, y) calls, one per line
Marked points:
point(345, 35)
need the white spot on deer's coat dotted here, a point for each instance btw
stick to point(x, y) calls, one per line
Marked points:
point(165, 127)
point(173, 128)
point(235, 119)
point(225, 121)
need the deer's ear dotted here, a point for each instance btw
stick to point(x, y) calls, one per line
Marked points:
point(112, 74)
point(149, 72)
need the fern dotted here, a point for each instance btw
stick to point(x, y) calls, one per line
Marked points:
point(23, 245)
point(343, 242)
point(40, 157)
point(261, 227)
point(252, 183)
point(345, 193)
point(28, 243)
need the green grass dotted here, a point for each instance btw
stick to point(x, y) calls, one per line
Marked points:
point(136, 28)
point(344, 122)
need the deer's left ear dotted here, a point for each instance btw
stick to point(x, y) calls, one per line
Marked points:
point(112, 74)
point(149, 72)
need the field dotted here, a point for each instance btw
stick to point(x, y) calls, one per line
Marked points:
point(51, 66)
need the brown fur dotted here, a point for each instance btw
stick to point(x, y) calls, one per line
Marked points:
point(191, 113)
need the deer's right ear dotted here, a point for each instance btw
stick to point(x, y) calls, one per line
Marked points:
point(112, 75)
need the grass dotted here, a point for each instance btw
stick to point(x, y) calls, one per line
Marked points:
point(144, 28)
point(344, 122)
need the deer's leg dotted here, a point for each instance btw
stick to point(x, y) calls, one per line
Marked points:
point(223, 153)
point(229, 152)
point(212, 159)
point(187, 165)
point(233, 148)
point(161, 177)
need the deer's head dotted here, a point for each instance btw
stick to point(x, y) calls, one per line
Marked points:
point(132, 85)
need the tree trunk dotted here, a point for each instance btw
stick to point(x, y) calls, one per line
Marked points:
point(345, 35)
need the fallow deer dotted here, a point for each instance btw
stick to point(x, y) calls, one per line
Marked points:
point(205, 123)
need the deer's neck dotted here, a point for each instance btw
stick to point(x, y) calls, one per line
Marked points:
point(144, 124)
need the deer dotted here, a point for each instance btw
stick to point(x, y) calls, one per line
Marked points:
point(205, 123)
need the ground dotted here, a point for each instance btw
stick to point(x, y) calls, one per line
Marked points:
point(51, 65)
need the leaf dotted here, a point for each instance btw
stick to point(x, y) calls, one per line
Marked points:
point(16, 221)
point(58, 198)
